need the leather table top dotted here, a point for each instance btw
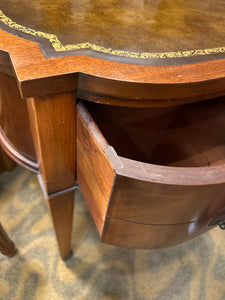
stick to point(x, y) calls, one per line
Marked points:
point(149, 32)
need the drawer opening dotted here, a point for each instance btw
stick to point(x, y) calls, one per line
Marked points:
point(190, 135)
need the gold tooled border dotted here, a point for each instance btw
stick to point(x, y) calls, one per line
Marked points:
point(59, 47)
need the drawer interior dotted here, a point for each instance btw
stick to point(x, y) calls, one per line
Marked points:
point(190, 135)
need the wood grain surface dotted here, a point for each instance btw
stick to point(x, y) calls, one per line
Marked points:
point(106, 81)
point(147, 199)
point(186, 136)
point(54, 133)
point(95, 174)
point(133, 235)
point(14, 118)
point(50, 86)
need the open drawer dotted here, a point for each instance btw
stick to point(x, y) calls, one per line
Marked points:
point(152, 177)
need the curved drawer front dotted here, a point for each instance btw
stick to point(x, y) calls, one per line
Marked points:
point(142, 205)
point(158, 195)
point(144, 236)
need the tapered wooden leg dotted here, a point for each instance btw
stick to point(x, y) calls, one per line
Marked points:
point(54, 133)
point(61, 209)
point(7, 247)
point(6, 163)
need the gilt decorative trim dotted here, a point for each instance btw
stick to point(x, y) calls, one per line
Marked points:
point(59, 47)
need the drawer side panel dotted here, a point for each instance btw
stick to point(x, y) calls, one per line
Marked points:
point(95, 174)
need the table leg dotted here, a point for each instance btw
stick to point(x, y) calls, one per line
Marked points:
point(61, 209)
point(6, 163)
point(7, 247)
point(54, 133)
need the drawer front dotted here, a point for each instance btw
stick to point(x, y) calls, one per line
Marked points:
point(140, 205)
point(143, 236)
point(166, 196)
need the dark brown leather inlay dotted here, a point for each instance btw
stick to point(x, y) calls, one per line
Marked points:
point(138, 31)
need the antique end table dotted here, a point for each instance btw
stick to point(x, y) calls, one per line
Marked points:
point(146, 151)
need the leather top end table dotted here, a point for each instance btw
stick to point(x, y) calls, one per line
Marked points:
point(147, 152)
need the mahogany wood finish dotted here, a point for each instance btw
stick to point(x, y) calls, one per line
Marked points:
point(7, 247)
point(95, 173)
point(61, 210)
point(146, 198)
point(11, 104)
point(186, 136)
point(16, 156)
point(106, 81)
point(135, 235)
point(19, 146)
point(6, 163)
point(135, 189)
point(53, 127)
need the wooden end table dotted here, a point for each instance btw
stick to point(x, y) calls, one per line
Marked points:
point(163, 181)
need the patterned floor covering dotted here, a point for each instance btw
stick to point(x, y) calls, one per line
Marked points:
point(193, 270)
